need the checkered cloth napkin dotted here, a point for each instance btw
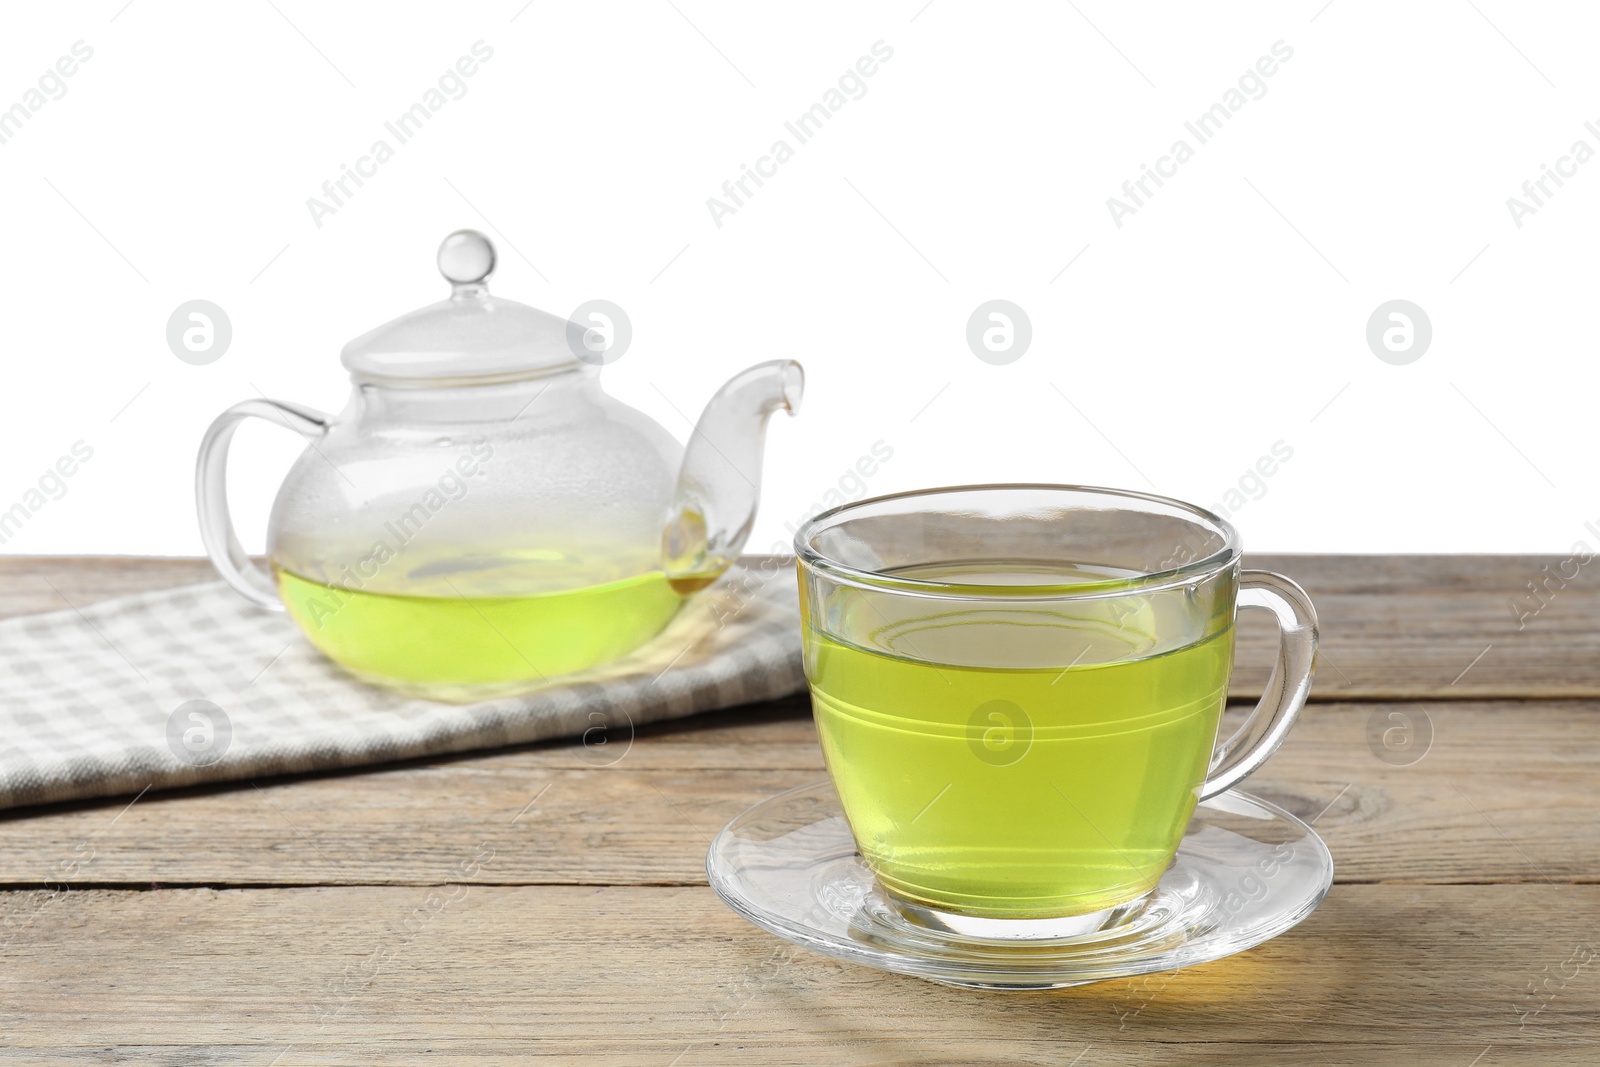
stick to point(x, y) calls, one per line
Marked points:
point(195, 685)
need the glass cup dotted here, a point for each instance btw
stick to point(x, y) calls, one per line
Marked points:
point(1018, 690)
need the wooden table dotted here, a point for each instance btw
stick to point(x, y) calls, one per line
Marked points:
point(325, 919)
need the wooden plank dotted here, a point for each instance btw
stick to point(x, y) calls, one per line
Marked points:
point(1443, 627)
point(661, 975)
point(1503, 794)
point(1394, 627)
point(32, 584)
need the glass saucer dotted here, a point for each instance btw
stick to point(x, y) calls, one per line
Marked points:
point(1246, 871)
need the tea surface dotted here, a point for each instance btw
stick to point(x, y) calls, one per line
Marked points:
point(476, 639)
point(1016, 792)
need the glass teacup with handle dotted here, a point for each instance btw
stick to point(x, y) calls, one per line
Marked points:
point(1018, 691)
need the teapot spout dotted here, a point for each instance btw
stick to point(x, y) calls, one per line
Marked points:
point(719, 486)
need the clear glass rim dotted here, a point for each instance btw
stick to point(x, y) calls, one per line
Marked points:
point(508, 377)
point(809, 556)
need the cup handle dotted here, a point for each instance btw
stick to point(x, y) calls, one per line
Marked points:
point(211, 492)
point(1259, 737)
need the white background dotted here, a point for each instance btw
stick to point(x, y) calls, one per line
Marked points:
point(1225, 315)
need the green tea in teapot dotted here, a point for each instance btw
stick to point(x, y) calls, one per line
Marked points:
point(527, 523)
point(472, 640)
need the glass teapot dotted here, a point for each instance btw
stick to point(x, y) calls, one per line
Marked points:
point(481, 512)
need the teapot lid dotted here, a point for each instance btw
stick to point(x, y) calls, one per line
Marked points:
point(470, 337)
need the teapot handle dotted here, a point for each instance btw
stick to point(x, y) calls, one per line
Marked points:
point(211, 492)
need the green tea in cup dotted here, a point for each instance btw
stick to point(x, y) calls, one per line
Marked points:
point(1018, 688)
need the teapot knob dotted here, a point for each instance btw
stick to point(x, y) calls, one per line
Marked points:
point(466, 258)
